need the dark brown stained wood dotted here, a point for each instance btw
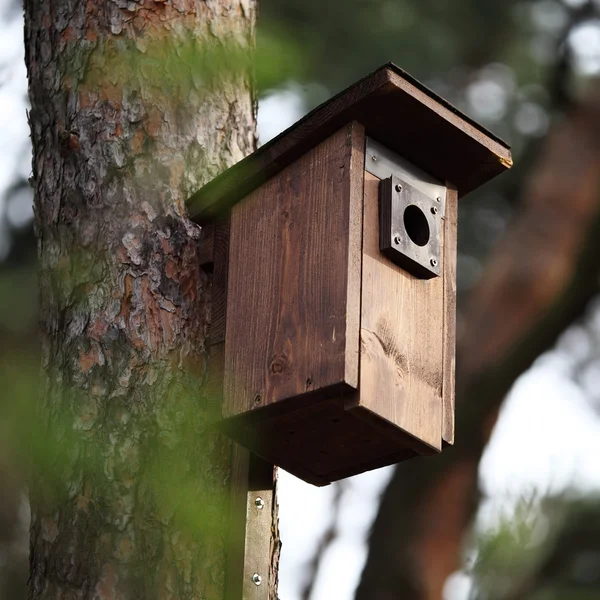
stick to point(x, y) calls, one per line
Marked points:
point(220, 236)
point(214, 385)
point(354, 188)
point(401, 337)
point(397, 111)
point(206, 247)
point(323, 442)
point(294, 272)
point(449, 248)
point(238, 497)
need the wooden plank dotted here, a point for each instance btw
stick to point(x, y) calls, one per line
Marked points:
point(236, 539)
point(397, 111)
point(214, 383)
point(402, 321)
point(221, 232)
point(449, 249)
point(294, 272)
point(206, 248)
point(354, 185)
point(250, 528)
point(258, 549)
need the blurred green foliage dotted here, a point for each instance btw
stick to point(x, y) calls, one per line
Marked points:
point(51, 446)
point(543, 548)
point(177, 65)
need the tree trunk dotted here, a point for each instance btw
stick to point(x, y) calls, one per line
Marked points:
point(538, 281)
point(134, 105)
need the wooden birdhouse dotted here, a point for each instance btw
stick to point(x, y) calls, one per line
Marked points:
point(334, 251)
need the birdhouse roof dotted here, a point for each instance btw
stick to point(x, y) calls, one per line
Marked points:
point(396, 110)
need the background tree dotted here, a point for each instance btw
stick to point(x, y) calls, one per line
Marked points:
point(133, 107)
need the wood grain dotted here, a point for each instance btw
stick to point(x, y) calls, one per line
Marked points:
point(259, 537)
point(206, 247)
point(235, 571)
point(252, 531)
point(396, 110)
point(402, 320)
point(449, 249)
point(323, 442)
point(294, 275)
point(220, 236)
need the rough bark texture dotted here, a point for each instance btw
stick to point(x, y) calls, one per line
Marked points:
point(127, 120)
point(538, 281)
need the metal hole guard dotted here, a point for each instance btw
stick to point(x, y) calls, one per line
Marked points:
point(409, 237)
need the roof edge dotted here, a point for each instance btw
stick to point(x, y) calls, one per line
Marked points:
point(375, 100)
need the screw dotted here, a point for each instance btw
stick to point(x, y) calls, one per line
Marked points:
point(397, 240)
point(257, 399)
point(398, 187)
point(433, 262)
point(257, 579)
point(434, 210)
point(259, 503)
point(438, 199)
point(374, 158)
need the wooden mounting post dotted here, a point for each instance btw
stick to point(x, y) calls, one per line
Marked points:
point(252, 510)
point(250, 561)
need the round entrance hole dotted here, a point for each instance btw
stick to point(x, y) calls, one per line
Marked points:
point(416, 225)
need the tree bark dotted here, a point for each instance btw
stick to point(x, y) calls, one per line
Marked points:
point(134, 106)
point(538, 281)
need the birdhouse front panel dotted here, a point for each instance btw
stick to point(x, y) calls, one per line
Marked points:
point(294, 272)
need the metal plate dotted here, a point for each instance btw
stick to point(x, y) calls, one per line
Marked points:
point(382, 162)
point(409, 227)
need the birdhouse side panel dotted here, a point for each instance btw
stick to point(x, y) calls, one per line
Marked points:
point(449, 251)
point(294, 279)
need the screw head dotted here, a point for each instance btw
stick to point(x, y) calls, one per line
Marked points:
point(433, 262)
point(257, 579)
point(434, 210)
point(259, 503)
point(257, 399)
point(438, 199)
point(397, 240)
point(374, 158)
point(398, 187)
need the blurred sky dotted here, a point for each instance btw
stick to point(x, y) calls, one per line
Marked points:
point(547, 438)
point(15, 161)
